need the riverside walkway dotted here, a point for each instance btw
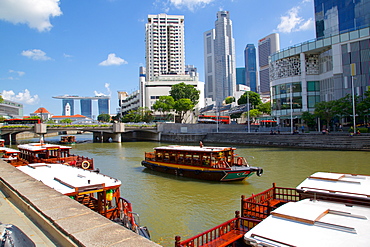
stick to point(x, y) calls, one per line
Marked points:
point(49, 218)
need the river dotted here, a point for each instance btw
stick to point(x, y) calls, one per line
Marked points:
point(171, 206)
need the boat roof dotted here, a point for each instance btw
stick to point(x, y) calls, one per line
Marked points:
point(337, 184)
point(194, 148)
point(8, 150)
point(313, 223)
point(66, 179)
point(41, 146)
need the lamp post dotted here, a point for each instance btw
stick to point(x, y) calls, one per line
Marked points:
point(353, 73)
point(291, 108)
point(249, 125)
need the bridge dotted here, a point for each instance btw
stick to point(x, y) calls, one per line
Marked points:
point(115, 132)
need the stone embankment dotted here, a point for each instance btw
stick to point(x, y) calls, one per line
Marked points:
point(63, 220)
point(239, 136)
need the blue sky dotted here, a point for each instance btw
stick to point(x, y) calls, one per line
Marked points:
point(93, 47)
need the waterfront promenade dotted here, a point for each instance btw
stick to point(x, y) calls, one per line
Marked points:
point(49, 218)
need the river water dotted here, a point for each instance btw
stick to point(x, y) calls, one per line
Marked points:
point(171, 206)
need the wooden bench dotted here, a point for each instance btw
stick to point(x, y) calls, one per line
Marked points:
point(226, 239)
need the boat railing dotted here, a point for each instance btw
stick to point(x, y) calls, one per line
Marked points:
point(221, 235)
point(150, 156)
point(259, 206)
point(240, 161)
point(126, 214)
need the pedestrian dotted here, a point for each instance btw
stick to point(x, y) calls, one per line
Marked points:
point(340, 127)
point(302, 128)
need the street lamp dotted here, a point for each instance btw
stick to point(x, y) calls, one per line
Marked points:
point(249, 125)
point(291, 108)
point(353, 73)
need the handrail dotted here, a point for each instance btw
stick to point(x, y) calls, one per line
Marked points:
point(238, 223)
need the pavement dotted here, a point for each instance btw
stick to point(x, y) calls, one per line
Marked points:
point(10, 214)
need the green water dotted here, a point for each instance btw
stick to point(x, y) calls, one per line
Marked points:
point(171, 206)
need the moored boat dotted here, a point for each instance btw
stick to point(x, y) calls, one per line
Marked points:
point(200, 162)
point(67, 140)
point(53, 153)
point(96, 191)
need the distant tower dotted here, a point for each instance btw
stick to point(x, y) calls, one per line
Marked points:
point(219, 59)
point(67, 110)
point(266, 47)
point(165, 46)
point(71, 104)
point(250, 67)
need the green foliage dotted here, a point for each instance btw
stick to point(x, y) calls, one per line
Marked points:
point(35, 117)
point(142, 114)
point(254, 99)
point(182, 106)
point(105, 118)
point(229, 100)
point(164, 104)
point(1, 99)
point(67, 121)
point(363, 107)
point(309, 119)
point(184, 91)
point(265, 108)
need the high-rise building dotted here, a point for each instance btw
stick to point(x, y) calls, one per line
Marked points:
point(250, 67)
point(339, 16)
point(266, 46)
point(86, 105)
point(165, 49)
point(320, 70)
point(219, 59)
point(240, 76)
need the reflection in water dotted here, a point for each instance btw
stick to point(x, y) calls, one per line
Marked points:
point(171, 206)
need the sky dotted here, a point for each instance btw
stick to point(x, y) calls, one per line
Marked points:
point(95, 47)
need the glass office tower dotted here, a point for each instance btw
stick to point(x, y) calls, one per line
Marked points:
point(338, 16)
point(250, 67)
point(86, 107)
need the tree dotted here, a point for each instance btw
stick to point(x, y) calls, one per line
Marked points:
point(363, 107)
point(1, 99)
point(254, 99)
point(265, 108)
point(66, 120)
point(309, 119)
point(105, 118)
point(182, 106)
point(184, 91)
point(229, 100)
point(141, 114)
point(252, 114)
point(164, 104)
point(325, 110)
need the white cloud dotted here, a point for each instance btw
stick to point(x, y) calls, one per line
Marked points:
point(190, 4)
point(292, 22)
point(24, 97)
point(36, 54)
point(35, 13)
point(106, 85)
point(20, 73)
point(113, 60)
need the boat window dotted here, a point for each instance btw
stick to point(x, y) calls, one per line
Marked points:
point(173, 158)
point(159, 156)
point(181, 158)
point(166, 156)
point(188, 158)
point(196, 159)
point(206, 160)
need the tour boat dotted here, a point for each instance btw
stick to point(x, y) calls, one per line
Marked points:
point(200, 162)
point(2, 142)
point(53, 153)
point(67, 140)
point(11, 156)
point(98, 192)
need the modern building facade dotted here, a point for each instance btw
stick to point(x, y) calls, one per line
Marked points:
point(240, 76)
point(250, 67)
point(86, 105)
point(266, 46)
point(219, 59)
point(333, 17)
point(11, 109)
point(165, 49)
point(319, 70)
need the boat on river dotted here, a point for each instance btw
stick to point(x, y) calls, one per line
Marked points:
point(53, 153)
point(96, 191)
point(67, 140)
point(200, 162)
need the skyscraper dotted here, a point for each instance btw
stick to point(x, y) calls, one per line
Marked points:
point(266, 46)
point(165, 49)
point(250, 67)
point(219, 59)
point(335, 17)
